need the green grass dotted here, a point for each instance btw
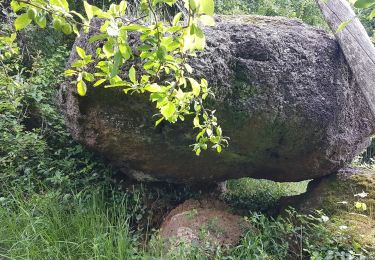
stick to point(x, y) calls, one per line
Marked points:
point(261, 195)
point(43, 227)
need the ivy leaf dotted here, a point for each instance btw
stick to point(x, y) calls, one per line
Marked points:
point(364, 3)
point(168, 110)
point(81, 88)
point(132, 75)
point(22, 21)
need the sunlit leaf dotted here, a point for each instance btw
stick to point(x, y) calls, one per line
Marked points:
point(22, 21)
point(132, 75)
point(168, 110)
point(81, 88)
point(364, 3)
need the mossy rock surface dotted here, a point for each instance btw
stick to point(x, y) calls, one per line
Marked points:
point(284, 95)
point(336, 196)
point(338, 192)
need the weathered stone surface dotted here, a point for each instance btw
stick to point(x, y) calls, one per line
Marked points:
point(203, 222)
point(337, 195)
point(284, 95)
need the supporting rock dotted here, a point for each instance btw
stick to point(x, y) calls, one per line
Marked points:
point(203, 221)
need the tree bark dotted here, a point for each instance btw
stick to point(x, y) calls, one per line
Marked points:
point(355, 44)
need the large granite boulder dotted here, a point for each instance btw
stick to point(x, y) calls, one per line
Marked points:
point(284, 95)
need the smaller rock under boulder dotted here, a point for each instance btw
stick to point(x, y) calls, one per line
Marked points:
point(201, 222)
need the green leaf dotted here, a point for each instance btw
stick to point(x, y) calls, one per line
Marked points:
point(67, 29)
point(60, 3)
point(168, 110)
point(99, 82)
point(15, 6)
point(207, 20)
point(343, 25)
point(372, 15)
point(188, 68)
point(176, 18)
point(88, 77)
point(153, 88)
point(134, 27)
point(364, 3)
point(159, 121)
point(218, 148)
point(81, 88)
point(161, 52)
point(125, 51)
point(195, 86)
point(41, 20)
point(69, 73)
point(22, 21)
point(81, 52)
point(196, 121)
point(207, 7)
point(193, 4)
point(132, 75)
point(97, 37)
point(91, 10)
point(108, 48)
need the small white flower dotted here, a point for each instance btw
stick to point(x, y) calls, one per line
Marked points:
point(361, 195)
point(324, 218)
point(343, 202)
point(343, 227)
point(112, 31)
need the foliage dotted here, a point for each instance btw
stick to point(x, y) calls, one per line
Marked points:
point(57, 199)
point(164, 50)
point(36, 150)
point(260, 195)
point(305, 10)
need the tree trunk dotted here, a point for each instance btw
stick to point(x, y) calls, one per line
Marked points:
point(355, 43)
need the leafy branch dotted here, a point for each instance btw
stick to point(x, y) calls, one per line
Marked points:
point(163, 72)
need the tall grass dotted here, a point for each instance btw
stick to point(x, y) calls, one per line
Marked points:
point(43, 227)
